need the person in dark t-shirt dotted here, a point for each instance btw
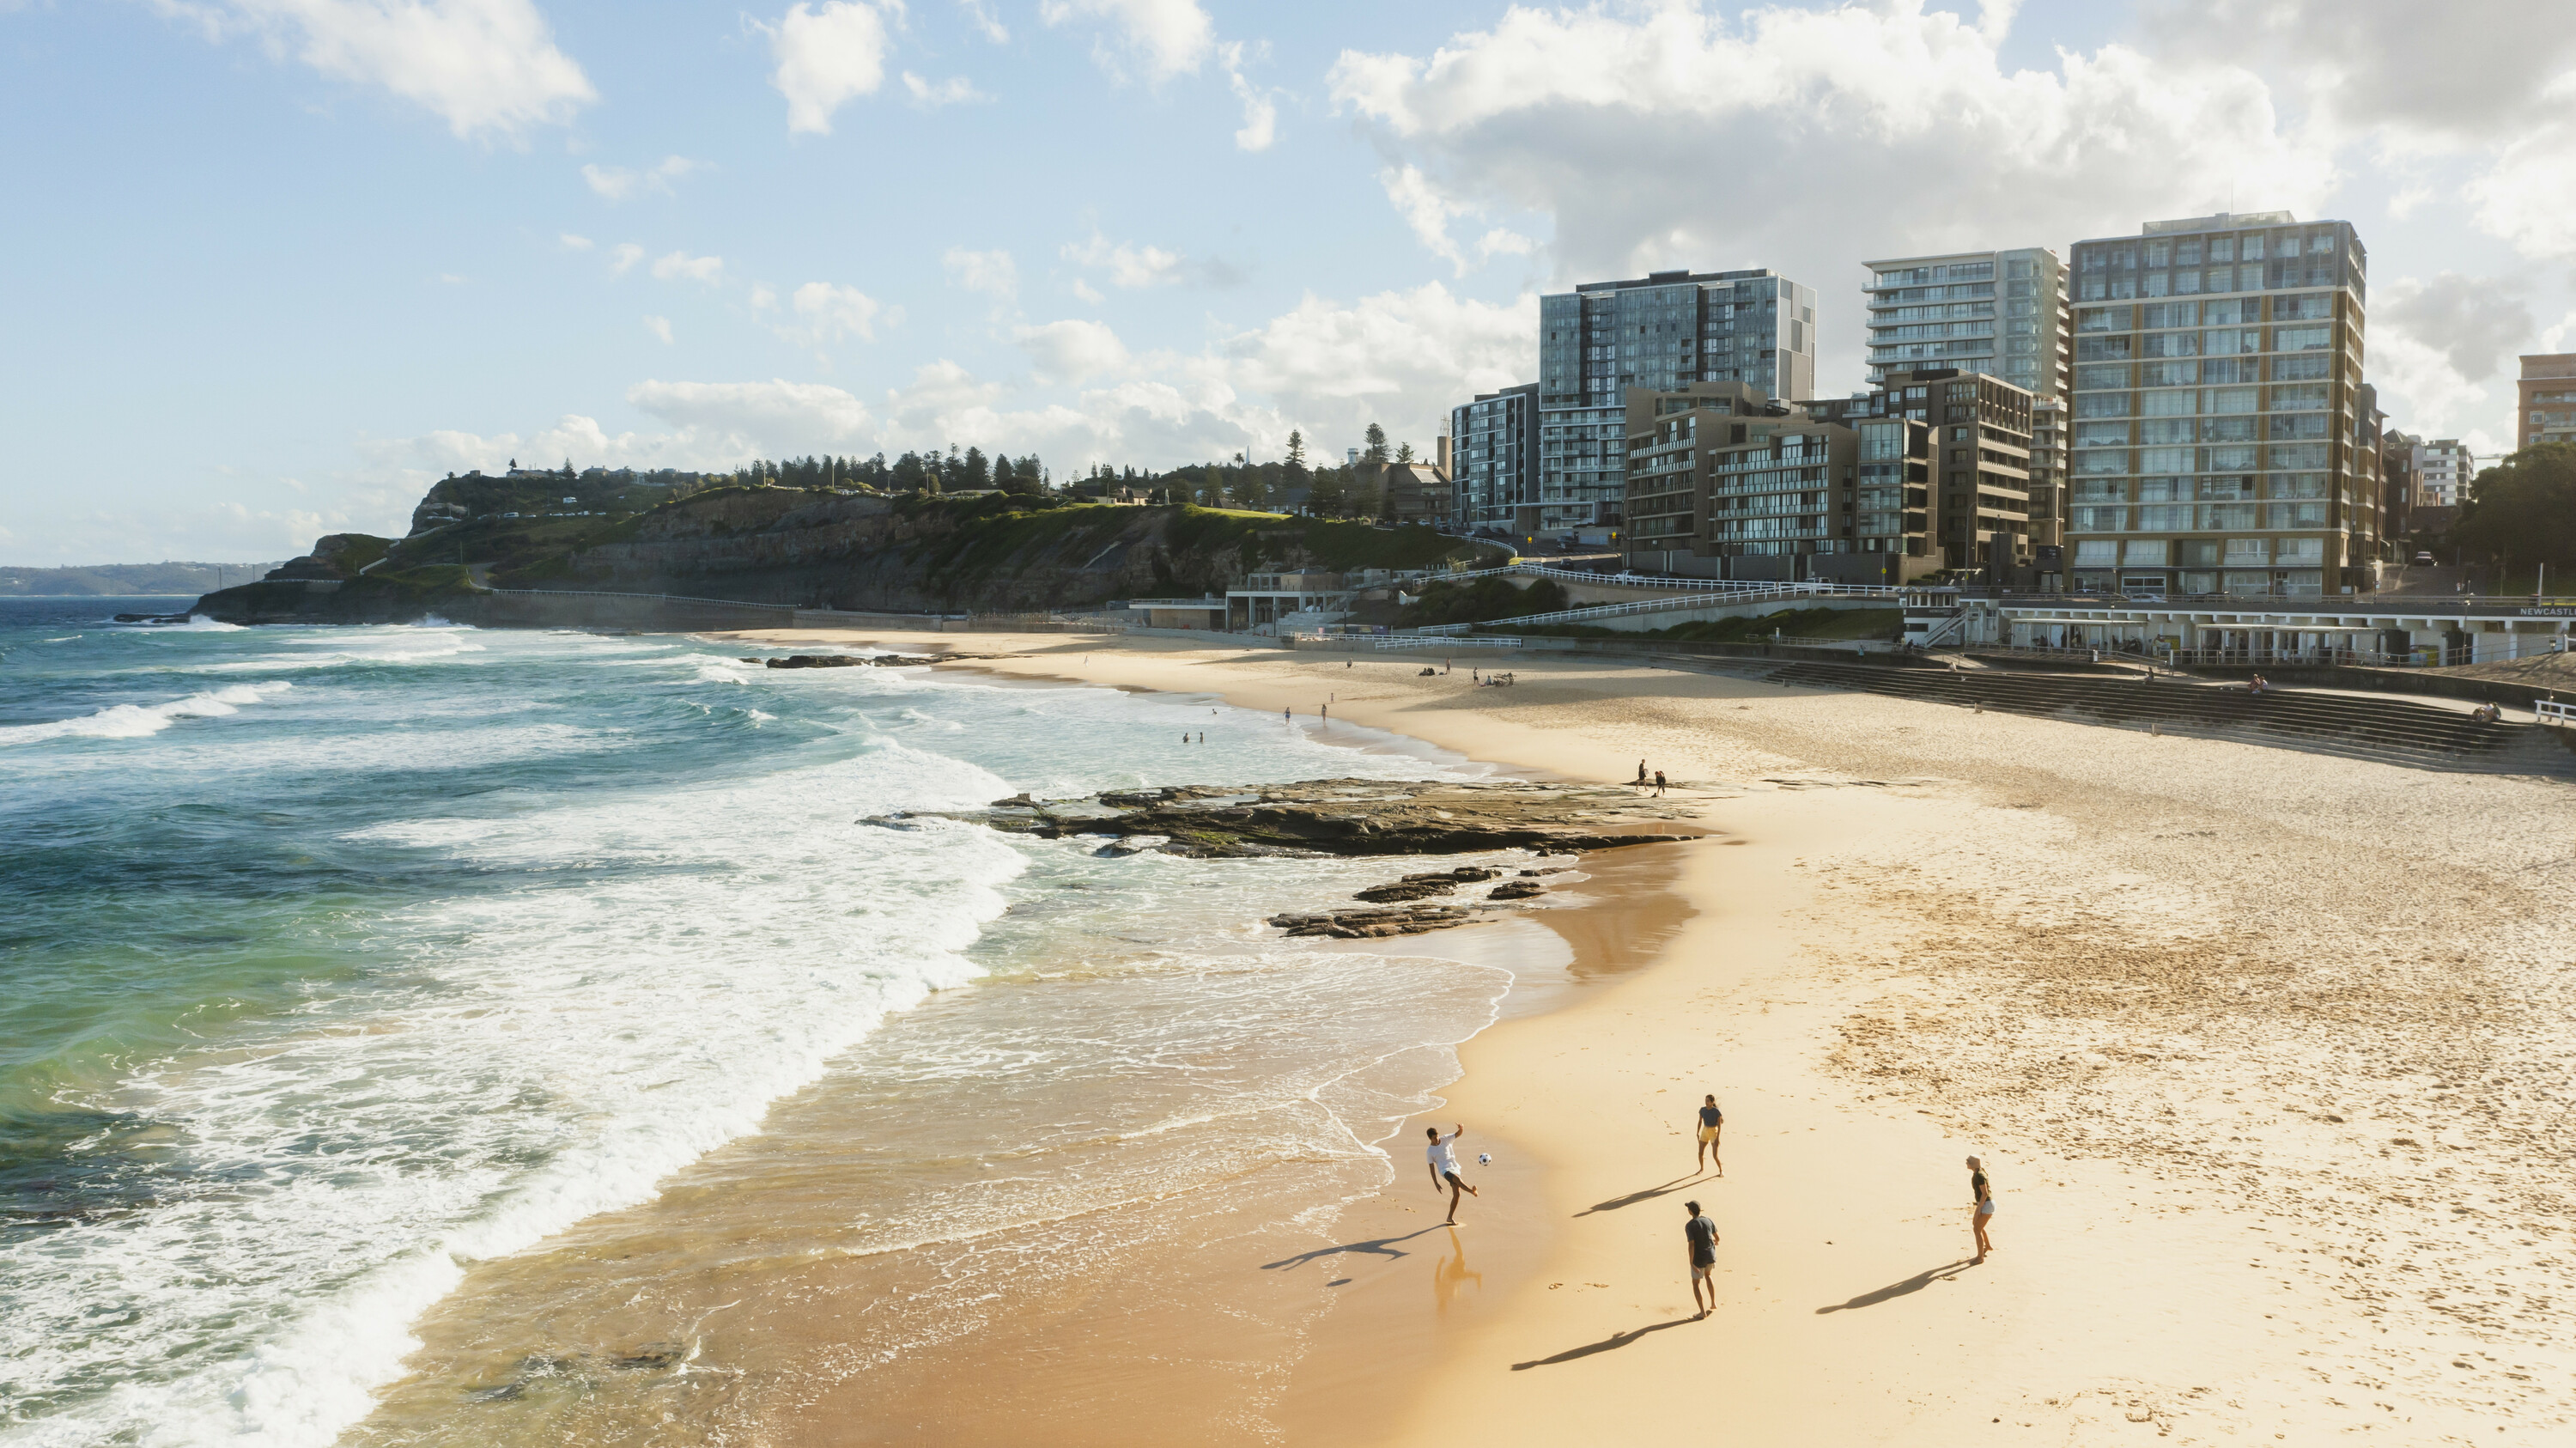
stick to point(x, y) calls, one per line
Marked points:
point(1712, 1122)
point(1984, 1195)
point(1700, 1235)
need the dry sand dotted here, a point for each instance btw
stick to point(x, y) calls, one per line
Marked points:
point(2267, 1052)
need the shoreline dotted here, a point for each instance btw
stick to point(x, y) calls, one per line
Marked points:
point(1906, 962)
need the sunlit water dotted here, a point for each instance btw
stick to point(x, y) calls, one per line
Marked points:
point(338, 961)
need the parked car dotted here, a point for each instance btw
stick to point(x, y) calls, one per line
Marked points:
point(2424, 558)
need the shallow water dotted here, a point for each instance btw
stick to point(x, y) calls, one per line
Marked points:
point(349, 968)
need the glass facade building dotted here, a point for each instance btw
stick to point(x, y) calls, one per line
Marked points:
point(2000, 313)
point(1660, 332)
point(1493, 460)
point(2217, 373)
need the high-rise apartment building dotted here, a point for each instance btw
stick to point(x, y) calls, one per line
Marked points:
point(2217, 362)
point(1980, 462)
point(2001, 313)
point(1493, 460)
point(1660, 332)
point(1723, 482)
point(2547, 398)
point(2442, 471)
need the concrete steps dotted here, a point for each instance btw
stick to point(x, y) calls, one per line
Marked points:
point(2388, 730)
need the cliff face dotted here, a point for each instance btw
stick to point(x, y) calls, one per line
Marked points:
point(985, 556)
point(909, 554)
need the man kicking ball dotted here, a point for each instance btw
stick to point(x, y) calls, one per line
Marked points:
point(1444, 1166)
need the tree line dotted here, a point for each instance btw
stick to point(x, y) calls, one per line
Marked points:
point(1293, 484)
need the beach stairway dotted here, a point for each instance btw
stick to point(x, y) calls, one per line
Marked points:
point(2405, 732)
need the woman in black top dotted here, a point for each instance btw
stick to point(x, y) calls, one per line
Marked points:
point(1711, 1122)
point(1985, 1205)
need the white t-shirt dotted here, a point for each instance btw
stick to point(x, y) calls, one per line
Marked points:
point(1440, 1156)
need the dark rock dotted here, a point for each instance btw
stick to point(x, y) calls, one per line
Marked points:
point(1376, 924)
point(1516, 890)
point(1550, 870)
point(1350, 817)
point(817, 661)
point(1416, 887)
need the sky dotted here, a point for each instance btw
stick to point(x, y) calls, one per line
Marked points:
point(277, 265)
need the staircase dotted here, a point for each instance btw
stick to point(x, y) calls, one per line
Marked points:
point(2390, 731)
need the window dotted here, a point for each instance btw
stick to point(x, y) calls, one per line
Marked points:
point(2170, 404)
point(2102, 404)
point(2172, 344)
point(2098, 520)
point(2101, 349)
point(2218, 517)
point(2234, 313)
point(2243, 551)
point(2300, 339)
point(2222, 248)
point(2294, 515)
point(2228, 429)
point(2231, 399)
point(2298, 455)
point(2143, 553)
point(2165, 460)
point(2165, 429)
point(2097, 552)
point(2251, 248)
point(2299, 485)
point(2300, 550)
point(2169, 314)
point(2227, 459)
point(2172, 518)
point(2226, 490)
point(2300, 369)
point(2102, 434)
point(2169, 374)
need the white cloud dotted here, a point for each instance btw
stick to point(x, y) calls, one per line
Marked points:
point(484, 66)
point(980, 12)
point(659, 327)
point(1087, 292)
point(756, 416)
point(2528, 197)
point(1128, 265)
point(1398, 358)
point(623, 257)
point(832, 313)
point(948, 92)
point(762, 298)
point(573, 436)
point(826, 58)
point(1072, 350)
point(1260, 111)
point(679, 264)
point(1165, 37)
point(992, 273)
point(616, 183)
point(2473, 322)
point(571, 242)
point(1839, 132)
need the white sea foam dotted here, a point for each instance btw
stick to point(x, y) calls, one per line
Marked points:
point(137, 721)
point(660, 962)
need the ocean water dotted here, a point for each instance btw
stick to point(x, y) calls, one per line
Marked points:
point(347, 973)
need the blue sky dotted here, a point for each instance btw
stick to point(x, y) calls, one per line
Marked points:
point(279, 263)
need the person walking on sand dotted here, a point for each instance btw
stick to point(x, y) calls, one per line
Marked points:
point(1711, 1123)
point(1659, 784)
point(1443, 1160)
point(1641, 774)
point(1700, 1235)
point(1985, 1206)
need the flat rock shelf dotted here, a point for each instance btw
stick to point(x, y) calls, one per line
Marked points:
point(1339, 817)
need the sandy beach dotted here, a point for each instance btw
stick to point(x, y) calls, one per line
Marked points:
point(2264, 1051)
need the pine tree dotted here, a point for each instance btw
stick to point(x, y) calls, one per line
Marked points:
point(1375, 452)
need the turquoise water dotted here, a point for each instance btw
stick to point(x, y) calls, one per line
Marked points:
point(337, 959)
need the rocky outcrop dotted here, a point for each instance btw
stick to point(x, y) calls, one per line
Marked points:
point(860, 661)
point(1343, 817)
point(1419, 887)
point(1379, 923)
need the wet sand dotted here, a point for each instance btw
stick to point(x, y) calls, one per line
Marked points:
point(2268, 1054)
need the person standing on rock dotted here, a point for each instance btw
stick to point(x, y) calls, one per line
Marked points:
point(1699, 1234)
point(1712, 1122)
point(1985, 1205)
point(1442, 1156)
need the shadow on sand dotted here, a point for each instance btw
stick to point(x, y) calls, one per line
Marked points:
point(1646, 1195)
point(1375, 1246)
point(1915, 1283)
point(1616, 1339)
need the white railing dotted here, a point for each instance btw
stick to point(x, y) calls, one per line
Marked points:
point(2548, 712)
point(1754, 593)
point(1417, 641)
